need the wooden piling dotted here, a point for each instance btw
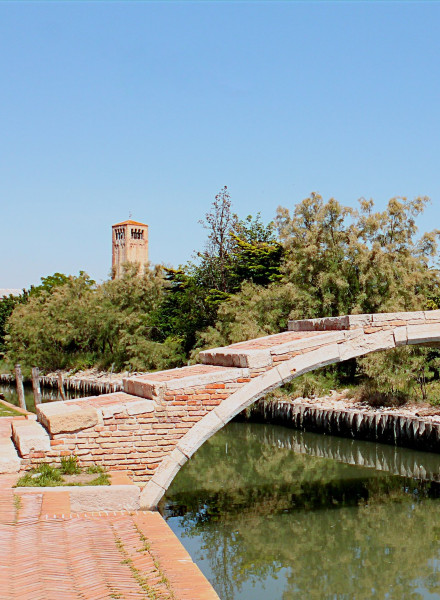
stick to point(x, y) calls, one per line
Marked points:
point(61, 386)
point(20, 388)
point(36, 385)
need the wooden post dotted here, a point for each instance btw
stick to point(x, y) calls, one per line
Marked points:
point(36, 385)
point(20, 388)
point(61, 386)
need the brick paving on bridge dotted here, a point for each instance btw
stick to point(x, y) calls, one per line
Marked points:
point(48, 553)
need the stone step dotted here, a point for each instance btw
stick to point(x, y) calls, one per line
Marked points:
point(30, 436)
point(82, 413)
point(9, 460)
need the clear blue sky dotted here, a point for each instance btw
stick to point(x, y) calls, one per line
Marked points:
point(110, 107)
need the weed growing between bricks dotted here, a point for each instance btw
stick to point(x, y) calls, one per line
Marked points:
point(141, 579)
point(17, 506)
point(46, 475)
point(147, 548)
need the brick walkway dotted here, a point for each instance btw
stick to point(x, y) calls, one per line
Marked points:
point(47, 553)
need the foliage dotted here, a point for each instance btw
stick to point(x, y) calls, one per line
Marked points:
point(255, 254)
point(185, 308)
point(236, 251)
point(52, 281)
point(46, 475)
point(255, 311)
point(317, 383)
point(7, 305)
point(69, 465)
point(52, 326)
point(80, 324)
point(343, 261)
point(400, 373)
point(7, 411)
point(220, 223)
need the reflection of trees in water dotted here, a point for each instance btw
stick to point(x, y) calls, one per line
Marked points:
point(342, 532)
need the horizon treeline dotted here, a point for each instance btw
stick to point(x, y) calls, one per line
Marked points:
point(319, 259)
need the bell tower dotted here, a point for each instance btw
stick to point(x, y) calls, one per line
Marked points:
point(129, 245)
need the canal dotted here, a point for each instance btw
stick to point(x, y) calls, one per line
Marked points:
point(265, 517)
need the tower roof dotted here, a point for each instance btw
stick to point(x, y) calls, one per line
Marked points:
point(130, 222)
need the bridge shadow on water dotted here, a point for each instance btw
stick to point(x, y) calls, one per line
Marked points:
point(275, 513)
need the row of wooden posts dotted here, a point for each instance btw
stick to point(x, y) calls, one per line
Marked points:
point(35, 386)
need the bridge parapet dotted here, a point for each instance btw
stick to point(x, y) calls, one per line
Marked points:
point(345, 322)
point(178, 385)
point(263, 353)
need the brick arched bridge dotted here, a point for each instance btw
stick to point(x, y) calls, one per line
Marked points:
point(154, 426)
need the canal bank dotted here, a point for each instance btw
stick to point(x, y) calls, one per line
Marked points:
point(413, 426)
point(90, 381)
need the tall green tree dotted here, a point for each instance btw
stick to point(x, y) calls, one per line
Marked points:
point(344, 261)
point(7, 305)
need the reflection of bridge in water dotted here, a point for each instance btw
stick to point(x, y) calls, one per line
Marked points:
point(394, 460)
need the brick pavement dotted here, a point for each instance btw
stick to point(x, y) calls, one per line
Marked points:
point(48, 553)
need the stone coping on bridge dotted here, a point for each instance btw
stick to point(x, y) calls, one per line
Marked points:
point(365, 320)
point(261, 353)
point(155, 386)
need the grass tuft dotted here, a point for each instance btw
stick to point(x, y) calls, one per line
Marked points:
point(69, 465)
point(49, 476)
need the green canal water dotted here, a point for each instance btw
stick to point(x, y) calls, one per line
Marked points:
point(266, 518)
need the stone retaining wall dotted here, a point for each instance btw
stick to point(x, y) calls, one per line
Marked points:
point(388, 428)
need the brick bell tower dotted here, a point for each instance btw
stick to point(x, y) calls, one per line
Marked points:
point(129, 245)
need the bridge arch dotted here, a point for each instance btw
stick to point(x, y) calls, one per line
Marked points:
point(320, 342)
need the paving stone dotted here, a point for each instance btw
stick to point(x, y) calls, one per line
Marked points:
point(9, 460)
point(30, 436)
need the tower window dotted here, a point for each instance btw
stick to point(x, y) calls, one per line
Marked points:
point(120, 234)
point(137, 234)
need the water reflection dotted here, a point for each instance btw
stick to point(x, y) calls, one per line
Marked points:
point(48, 395)
point(263, 519)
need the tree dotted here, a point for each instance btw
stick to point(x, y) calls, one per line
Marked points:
point(52, 281)
point(7, 305)
point(220, 223)
point(51, 326)
point(256, 255)
point(344, 261)
point(185, 308)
